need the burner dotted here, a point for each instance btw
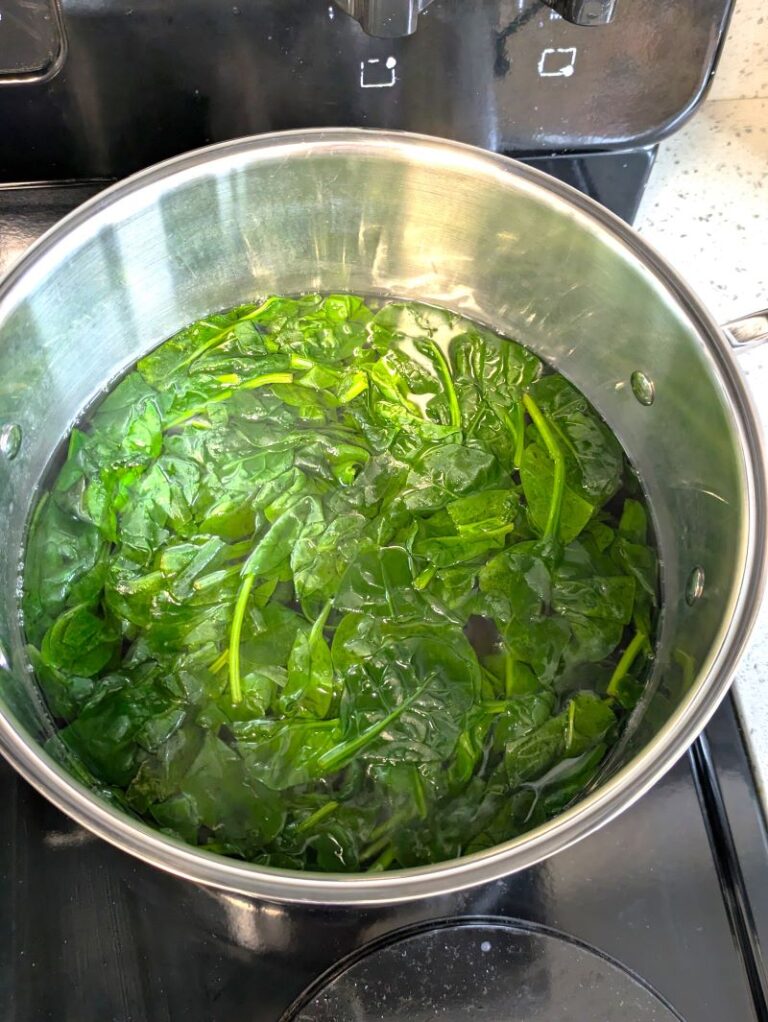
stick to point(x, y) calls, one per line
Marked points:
point(472, 970)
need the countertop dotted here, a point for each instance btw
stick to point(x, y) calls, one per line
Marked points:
point(706, 211)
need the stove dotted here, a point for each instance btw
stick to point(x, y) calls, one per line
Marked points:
point(660, 916)
point(663, 914)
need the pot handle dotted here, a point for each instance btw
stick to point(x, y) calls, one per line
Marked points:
point(748, 331)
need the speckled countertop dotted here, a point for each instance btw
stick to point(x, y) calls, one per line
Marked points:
point(706, 210)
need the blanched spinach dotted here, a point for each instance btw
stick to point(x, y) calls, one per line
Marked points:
point(333, 587)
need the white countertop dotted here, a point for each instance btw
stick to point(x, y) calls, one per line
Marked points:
point(706, 211)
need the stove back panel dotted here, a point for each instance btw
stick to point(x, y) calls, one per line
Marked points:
point(144, 80)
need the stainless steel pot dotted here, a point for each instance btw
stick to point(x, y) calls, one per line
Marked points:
point(393, 214)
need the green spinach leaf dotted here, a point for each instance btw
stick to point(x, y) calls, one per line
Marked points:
point(325, 585)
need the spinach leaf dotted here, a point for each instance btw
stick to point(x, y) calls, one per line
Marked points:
point(443, 473)
point(595, 460)
point(324, 585)
point(274, 547)
point(379, 582)
point(516, 591)
point(410, 698)
point(537, 473)
point(284, 753)
point(65, 565)
point(80, 641)
point(126, 715)
point(217, 793)
point(310, 686)
point(321, 556)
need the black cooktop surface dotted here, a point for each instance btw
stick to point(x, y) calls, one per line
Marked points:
point(490, 968)
point(662, 915)
point(656, 917)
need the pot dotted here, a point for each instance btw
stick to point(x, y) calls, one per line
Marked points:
point(389, 214)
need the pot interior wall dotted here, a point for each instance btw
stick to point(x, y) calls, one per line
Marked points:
point(422, 221)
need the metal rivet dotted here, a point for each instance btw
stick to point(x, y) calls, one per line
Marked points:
point(10, 440)
point(5, 663)
point(694, 587)
point(642, 387)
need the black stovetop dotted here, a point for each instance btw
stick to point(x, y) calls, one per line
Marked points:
point(674, 890)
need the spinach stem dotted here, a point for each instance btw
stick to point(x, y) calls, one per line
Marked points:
point(354, 388)
point(264, 380)
point(519, 433)
point(387, 827)
point(256, 381)
point(235, 687)
point(420, 796)
point(626, 661)
point(374, 847)
point(317, 816)
point(339, 754)
point(498, 705)
point(424, 577)
point(214, 578)
point(212, 342)
point(444, 370)
point(319, 625)
point(515, 428)
point(251, 728)
point(383, 861)
point(571, 724)
point(552, 527)
point(219, 662)
point(197, 409)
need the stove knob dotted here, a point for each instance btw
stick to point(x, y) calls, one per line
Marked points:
point(584, 12)
point(387, 18)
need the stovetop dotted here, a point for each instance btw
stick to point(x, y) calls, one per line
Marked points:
point(663, 914)
point(673, 890)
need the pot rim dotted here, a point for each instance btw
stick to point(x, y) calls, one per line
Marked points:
point(614, 795)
